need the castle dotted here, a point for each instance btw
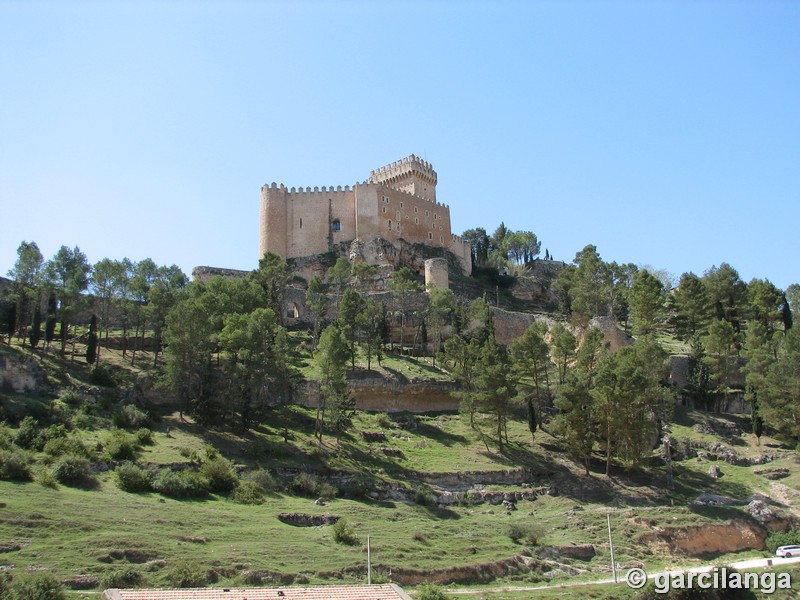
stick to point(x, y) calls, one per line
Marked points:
point(388, 218)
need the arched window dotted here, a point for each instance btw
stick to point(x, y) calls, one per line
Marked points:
point(336, 225)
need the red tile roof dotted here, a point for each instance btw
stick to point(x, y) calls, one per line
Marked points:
point(325, 592)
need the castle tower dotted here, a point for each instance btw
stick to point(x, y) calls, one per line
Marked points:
point(411, 174)
point(436, 274)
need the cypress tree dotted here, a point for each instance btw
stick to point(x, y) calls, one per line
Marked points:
point(757, 420)
point(36, 326)
point(91, 344)
point(50, 321)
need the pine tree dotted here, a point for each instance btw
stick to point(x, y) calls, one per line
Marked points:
point(91, 344)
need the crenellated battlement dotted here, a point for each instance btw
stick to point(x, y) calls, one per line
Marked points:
point(401, 169)
point(396, 203)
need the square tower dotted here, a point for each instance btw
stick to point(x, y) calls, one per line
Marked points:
point(411, 175)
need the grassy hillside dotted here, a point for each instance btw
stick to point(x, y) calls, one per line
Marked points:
point(98, 534)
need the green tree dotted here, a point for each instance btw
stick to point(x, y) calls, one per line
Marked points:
point(68, 273)
point(646, 302)
point(494, 388)
point(349, 310)
point(25, 278)
point(339, 275)
point(259, 373)
point(165, 291)
point(91, 344)
point(521, 246)
point(562, 349)
point(144, 274)
point(531, 360)
point(404, 287)
point(765, 303)
point(317, 302)
point(331, 356)
point(691, 307)
point(720, 344)
point(780, 402)
point(727, 294)
point(590, 289)
point(479, 245)
point(106, 279)
point(273, 275)
point(370, 321)
point(575, 422)
point(187, 356)
point(441, 307)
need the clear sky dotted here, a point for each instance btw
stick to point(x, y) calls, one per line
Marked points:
point(666, 133)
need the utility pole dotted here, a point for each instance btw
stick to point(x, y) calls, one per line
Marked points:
point(369, 564)
point(611, 546)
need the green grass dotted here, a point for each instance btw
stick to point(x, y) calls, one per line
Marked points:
point(72, 531)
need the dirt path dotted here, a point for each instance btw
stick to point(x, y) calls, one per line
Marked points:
point(787, 496)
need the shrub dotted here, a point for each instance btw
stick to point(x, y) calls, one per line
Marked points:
point(28, 434)
point(36, 586)
point(527, 533)
point(424, 498)
point(384, 421)
point(304, 484)
point(144, 437)
point(45, 479)
point(14, 466)
point(220, 474)
point(120, 446)
point(102, 376)
point(131, 417)
point(326, 491)
point(123, 578)
point(262, 479)
point(69, 445)
point(70, 396)
point(782, 538)
point(74, 470)
point(132, 478)
point(248, 492)
point(430, 591)
point(185, 574)
point(344, 533)
point(185, 484)
point(6, 439)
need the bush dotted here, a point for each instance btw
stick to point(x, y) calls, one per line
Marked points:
point(185, 574)
point(74, 470)
point(28, 434)
point(424, 498)
point(14, 466)
point(132, 478)
point(124, 578)
point(70, 396)
point(262, 479)
point(131, 417)
point(248, 492)
point(36, 586)
point(121, 446)
point(527, 533)
point(185, 484)
point(782, 538)
point(69, 445)
point(304, 484)
point(45, 479)
point(6, 439)
point(430, 591)
point(344, 533)
point(144, 437)
point(102, 376)
point(221, 477)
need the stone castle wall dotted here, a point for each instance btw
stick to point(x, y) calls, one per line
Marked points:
point(398, 204)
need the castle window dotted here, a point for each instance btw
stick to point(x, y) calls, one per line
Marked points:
point(441, 239)
point(401, 205)
point(390, 224)
point(430, 235)
point(416, 220)
point(336, 225)
point(416, 209)
point(301, 223)
point(427, 214)
point(384, 209)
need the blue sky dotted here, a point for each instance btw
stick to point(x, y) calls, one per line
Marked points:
point(664, 133)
